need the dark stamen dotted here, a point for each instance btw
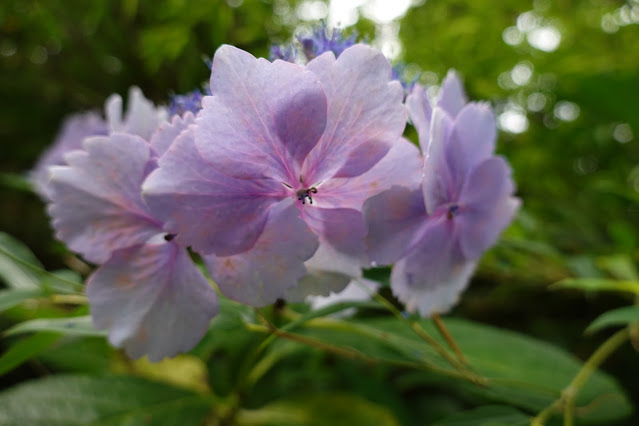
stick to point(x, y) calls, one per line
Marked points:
point(303, 194)
point(169, 237)
point(452, 211)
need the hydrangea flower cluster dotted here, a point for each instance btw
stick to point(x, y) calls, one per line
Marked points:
point(287, 181)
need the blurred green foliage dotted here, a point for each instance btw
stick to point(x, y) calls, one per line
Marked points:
point(577, 171)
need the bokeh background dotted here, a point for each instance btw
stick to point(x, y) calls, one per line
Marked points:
point(563, 77)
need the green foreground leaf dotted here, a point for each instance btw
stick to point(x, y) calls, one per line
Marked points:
point(11, 297)
point(620, 316)
point(489, 415)
point(74, 326)
point(15, 259)
point(521, 371)
point(100, 401)
point(598, 284)
point(26, 349)
point(319, 410)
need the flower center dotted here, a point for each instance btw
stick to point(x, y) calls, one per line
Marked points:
point(304, 193)
point(453, 210)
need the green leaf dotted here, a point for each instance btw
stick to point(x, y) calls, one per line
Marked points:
point(20, 269)
point(100, 401)
point(17, 263)
point(598, 284)
point(489, 415)
point(319, 410)
point(76, 326)
point(26, 349)
point(521, 371)
point(10, 298)
point(620, 316)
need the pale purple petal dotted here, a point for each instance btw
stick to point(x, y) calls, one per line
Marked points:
point(487, 206)
point(167, 132)
point(262, 274)
point(439, 186)
point(433, 275)
point(341, 229)
point(207, 210)
point(365, 113)
point(73, 131)
point(420, 113)
point(472, 140)
point(393, 219)
point(430, 297)
point(402, 165)
point(263, 117)
point(152, 299)
point(142, 117)
point(96, 203)
point(451, 95)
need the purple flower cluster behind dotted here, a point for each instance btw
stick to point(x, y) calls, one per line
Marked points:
point(289, 180)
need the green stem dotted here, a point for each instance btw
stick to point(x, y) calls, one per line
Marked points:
point(568, 396)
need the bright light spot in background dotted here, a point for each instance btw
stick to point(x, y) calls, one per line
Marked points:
point(512, 36)
point(385, 11)
point(513, 119)
point(312, 10)
point(566, 111)
point(528, 21)
point(544, 38)
point(536, 102)
point(387, 40)
point(344, 13)
point(521, 73)
point(623, 133)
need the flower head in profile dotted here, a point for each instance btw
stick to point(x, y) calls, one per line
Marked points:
point(147, 292)
point(269, 185)
point(437, 233)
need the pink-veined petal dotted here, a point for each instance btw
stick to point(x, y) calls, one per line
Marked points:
point(96, 203)
point(487, 206)
point(365, 113)
point(393, 219)
point(152, 299)
point(167, 132)
point(207, 210)
point(274, 264)
point(402, 165)
point(263, 117)
point(431, 277)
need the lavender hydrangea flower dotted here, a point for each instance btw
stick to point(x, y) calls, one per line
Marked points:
point(280, 162)
point(147, 291)
point(437, 233)
point(73, 131)
point(141, 118)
